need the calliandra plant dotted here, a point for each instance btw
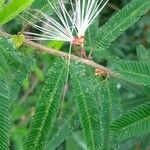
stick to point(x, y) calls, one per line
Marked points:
point(109, 109)
point(69, 26)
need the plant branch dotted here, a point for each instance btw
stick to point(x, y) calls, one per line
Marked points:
point(62, 54)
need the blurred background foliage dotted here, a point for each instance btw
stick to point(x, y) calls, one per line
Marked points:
point(124, 47)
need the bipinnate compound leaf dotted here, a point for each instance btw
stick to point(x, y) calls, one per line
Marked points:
point(110, 110)
point(143, 53)
point(47, 107)
point(133, 71)
point(133, 123)
point(66, 122)
point(87, 106)
point(121, 21)
point(15, 70)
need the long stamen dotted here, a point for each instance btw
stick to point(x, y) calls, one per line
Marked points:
point(53, 30)
point(86, 13)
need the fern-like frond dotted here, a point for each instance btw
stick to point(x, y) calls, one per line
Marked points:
point(61, 131)
point(47, 107)
point(120, 22)
point(143, 53)
point(5, 108)
point(87, 106)
point(8, 50)
point(110, 111)
point(65, 124)
point(15, 71)
point(133, 71)
point(134, 123)
point(18, 66)
point(8, 56)
point(12, 9)
point(3, 64)
point(20, 73)
point(91, 36)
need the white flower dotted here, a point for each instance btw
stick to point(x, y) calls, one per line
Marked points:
point(86, 13)
point(69, 26)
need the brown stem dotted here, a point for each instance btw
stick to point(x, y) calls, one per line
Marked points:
point(62, 54)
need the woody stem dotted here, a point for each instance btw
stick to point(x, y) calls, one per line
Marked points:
point(62, 54)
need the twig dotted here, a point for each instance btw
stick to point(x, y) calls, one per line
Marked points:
point(62, 54)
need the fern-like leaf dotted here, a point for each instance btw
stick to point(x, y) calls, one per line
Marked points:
point(134, 123)
point(133, 71)
point(61, 131)
point(87, 105)
point(12, 9)
point(8, 50)
point(143, 53)
point(110, 111)
point(120, 22)
point(64, 125)
point(10, 82)
point(18, 66)
point(5, 108)
point(5, 91)
point(47, 107)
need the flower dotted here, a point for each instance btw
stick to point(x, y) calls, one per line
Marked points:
point(86, 13)
point(68, 26)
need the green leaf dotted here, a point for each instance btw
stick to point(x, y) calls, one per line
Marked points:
point(7, 48)
point(134, 123)
point(5, 108)
point(61, 131)
point(87, 106)
point(18, 66)
point(12, 9)
point(47, 107)
point(143, 53)
point(110, 111)
point(20, 73)
point(120, 22)
point(10, 82)
point(64, 125)
point(133, 71)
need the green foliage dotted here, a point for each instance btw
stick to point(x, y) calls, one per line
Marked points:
point(12, 9)
point(87, 106)
point(120, 22)
point(133, 71)
point(110, 111)
point(5, 108)
point(47, 107)
point(64, 125)
point(10, 81)
point(41, 109)
point(134, 123)
point(143, 53)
